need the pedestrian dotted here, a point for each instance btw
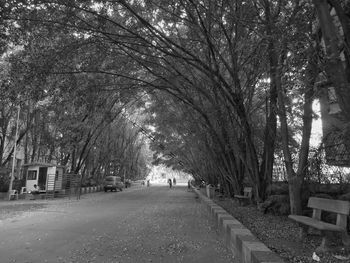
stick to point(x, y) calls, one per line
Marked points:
point(189, 184)
point(174, 181)
point(170, 183)
point(148, 183)
point(36, 190)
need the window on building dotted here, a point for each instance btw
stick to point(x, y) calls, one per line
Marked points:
point(31, 175)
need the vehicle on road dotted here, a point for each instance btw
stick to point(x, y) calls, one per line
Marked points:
point(113, 183)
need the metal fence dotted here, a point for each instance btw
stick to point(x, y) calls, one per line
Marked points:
point(322, 167)
point(69, 187)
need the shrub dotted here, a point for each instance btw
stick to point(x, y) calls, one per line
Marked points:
point(4, 183)
point(345, 197)
point(279, 188)
point(323, 195)
point(276, 205)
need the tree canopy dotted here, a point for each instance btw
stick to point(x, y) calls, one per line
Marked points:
point(220, 87)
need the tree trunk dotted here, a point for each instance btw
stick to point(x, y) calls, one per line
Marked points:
point(311, 74)
point(334, 66)
point(294, 182)
point(266, 167)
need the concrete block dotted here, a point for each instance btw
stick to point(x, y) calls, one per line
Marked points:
point(219, 214)
point(238, 235)
point(226, 226)
point(214, 208)
point(245, 247)
point(220, 218)
point(265, 257)
point(248, 247)
point(215, 212)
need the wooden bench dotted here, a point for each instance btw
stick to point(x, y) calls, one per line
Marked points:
point(341, 208)
point(247, 195)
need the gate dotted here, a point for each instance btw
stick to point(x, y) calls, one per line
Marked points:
point(71, 186)
point(50, 186)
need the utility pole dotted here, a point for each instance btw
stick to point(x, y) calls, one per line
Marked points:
point(124, 180)
point(14, 154)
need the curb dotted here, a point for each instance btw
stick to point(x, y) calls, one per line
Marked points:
point(245, 247)
point(91, 189)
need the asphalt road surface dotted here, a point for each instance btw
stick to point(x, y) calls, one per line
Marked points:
point(140, 224)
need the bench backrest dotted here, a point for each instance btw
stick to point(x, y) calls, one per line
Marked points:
point(339, 207)
point(330, 205)
point(247, 191)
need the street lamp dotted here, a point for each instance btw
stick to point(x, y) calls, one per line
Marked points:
point(14, 154)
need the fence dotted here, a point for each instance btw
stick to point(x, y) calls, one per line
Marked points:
point(69, 185)
point(322, 166)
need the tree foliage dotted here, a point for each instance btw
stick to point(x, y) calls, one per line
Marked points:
point(224, 86)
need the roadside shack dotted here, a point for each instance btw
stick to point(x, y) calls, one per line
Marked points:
point(48, 177)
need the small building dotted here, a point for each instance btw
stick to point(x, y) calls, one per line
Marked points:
point(46, 176)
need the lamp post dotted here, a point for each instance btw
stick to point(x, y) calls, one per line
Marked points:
point(14, 153)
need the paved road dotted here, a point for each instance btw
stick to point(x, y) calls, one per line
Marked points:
point(154, 224)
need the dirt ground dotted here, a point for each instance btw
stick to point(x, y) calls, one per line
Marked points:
point(281, 235)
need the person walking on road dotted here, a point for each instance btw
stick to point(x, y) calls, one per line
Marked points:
point(170, 183)
point(174, 181)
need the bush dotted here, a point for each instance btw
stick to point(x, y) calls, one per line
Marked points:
point(276, 205)
point(87, 182)
point(323, 195)
point(18, 184)
point(345, 197)
point(279, 189)
point(4, 183)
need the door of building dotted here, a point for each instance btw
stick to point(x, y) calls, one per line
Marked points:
point(42, 178)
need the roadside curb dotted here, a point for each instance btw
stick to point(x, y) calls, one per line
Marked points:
point(91, 189)
point(245, 247)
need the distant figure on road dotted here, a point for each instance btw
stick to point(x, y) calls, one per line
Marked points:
point(174, 181)
point(189, 184)
point(148, 183)
point(170, 183)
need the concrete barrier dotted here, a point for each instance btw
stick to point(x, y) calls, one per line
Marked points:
point(245, 247)
point(91, 189)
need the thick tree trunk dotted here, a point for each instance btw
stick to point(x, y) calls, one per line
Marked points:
point(293, 181)
point(4, 128)
point(266, 167)
point(311, 74)
point(335, 69)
